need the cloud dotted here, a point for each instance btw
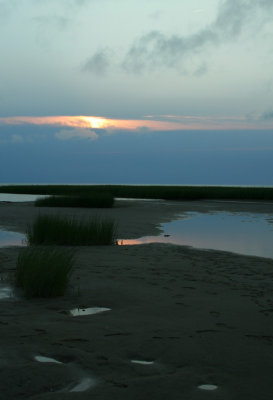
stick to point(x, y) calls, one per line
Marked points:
point(267, 115)
point(98, 63)
point(81, 133)
point(89, 126)
point(53, 21)
point(65, 3)
point(6, 9)
point(93, 123)
point(156, 50)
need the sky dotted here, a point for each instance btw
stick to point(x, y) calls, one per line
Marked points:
point(126, 91)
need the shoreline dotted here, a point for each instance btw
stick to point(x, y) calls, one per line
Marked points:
point(202, 316)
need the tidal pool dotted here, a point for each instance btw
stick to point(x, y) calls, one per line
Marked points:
point(243, 233)
point(8, 238)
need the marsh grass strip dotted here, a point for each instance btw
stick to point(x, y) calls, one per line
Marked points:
point(149, 191)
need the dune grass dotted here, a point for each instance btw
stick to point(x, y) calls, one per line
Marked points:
point(93, 200)
point(149, 191)
point(55, 230)
point(43, 272)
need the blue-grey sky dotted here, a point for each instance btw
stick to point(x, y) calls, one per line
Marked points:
point(125, 91)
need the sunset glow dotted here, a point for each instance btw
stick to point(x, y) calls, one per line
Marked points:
point(94, 122)
point(155, 123)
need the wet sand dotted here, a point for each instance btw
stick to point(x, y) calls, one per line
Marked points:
point(202, 317)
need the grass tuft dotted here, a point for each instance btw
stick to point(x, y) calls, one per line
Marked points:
point(55, 230)
point(93, 200)
point(43, 272)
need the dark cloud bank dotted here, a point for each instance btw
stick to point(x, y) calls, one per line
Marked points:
point(189, 157)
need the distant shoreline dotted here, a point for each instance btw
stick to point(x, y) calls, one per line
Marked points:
point(131, 184)
point(165, 192)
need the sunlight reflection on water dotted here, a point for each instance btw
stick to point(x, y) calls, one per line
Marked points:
point(243, 233)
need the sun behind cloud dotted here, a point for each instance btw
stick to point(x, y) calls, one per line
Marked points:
point(148, 123)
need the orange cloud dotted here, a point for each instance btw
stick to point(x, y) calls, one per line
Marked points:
point(156, 123)
point(94, 122)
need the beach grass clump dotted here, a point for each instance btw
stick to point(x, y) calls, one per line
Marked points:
point(43, 272)
point(93, 200)
point(67, 231)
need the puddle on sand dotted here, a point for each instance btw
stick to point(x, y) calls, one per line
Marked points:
point(8, 238)
point(43, 359)
point(76, 312)
point(243, 233)
point(208, 387)
point(6, 291)
point(85, 384)
point(142, 362)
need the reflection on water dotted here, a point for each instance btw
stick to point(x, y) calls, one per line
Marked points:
point(76, 312)
point(8, 238)
point(243, 233)
point(85, 384)
point(208, 387)
point(142, 362)
point(6, 291)
point(11, 197)
point(43, 359)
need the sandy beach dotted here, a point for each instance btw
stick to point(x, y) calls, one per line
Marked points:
point(196, 317)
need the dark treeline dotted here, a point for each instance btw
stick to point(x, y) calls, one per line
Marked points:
point(149, 192)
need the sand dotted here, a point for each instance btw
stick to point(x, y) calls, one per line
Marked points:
point(196, 317)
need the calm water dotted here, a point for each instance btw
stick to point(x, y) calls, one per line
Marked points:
point(20, 197)
point(243, 233)
point(8, 238)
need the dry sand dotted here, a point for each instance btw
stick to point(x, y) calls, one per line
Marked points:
point(202, 317)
